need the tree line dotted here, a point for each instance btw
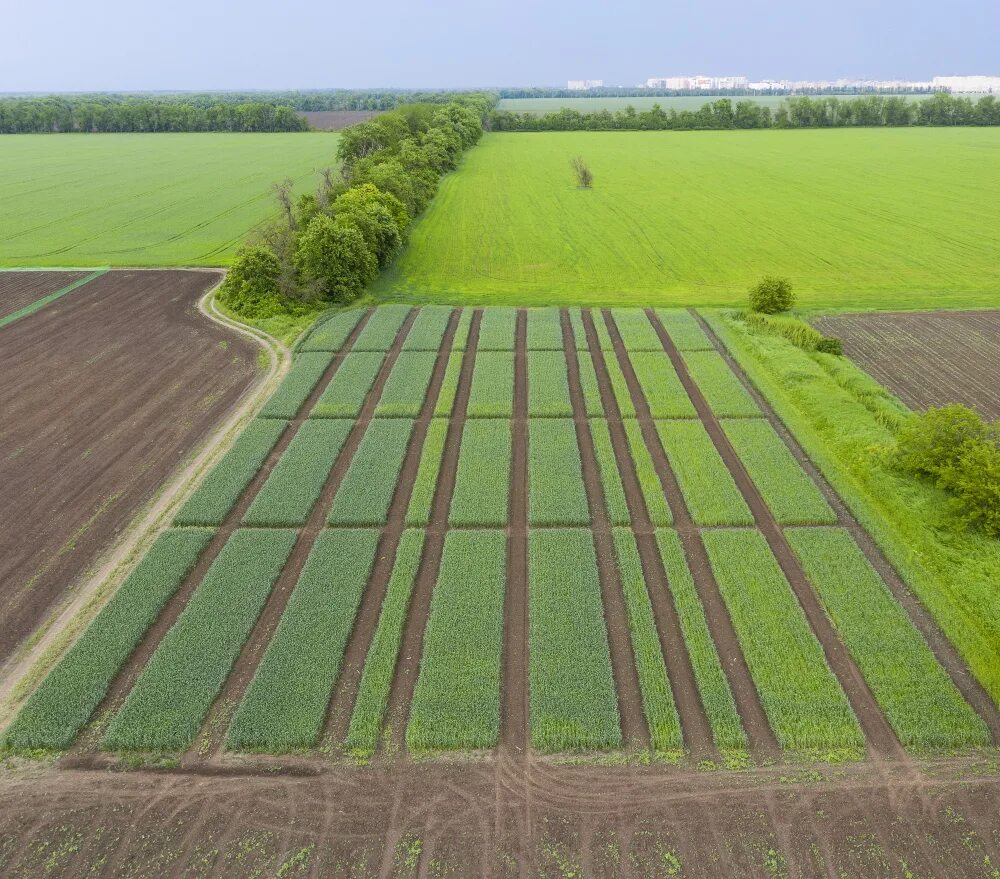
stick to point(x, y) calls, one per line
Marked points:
point(645, 92)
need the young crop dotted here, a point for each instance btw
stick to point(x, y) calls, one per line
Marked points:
point(365, 495)
point(347, 391)
point(649, 479)
point(449, 386)
point(295, 483)
point(544, 330)
point(708, 487)
point(919, 699)
point(307, 369)
point(684, 330)
point(428, 328)
point(611, 480)
point(382, 328)
point(461, 341)
point(492, 393)
point(425, 485)
point(603, 335)
point(218, 493)
point(804, 703)
point(722, 390)
point(661, 386)
point(548, 385)
point(497, 329)
point(285, 705)
point(405, 390)
point(657, 697)
point(456, 704)
point(623, 396)
point(67, 698)
point(635, 329)
point(556, 494)
point(482, 482)
point(789, 493)
point(573, 701)
point(331, 334)
point(380, 664)
point(588, 385)
point(168, 703)
point(579, 331)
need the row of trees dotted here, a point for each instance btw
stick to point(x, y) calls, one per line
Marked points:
point(798, 112)
point(643, 92)
point(327, 246)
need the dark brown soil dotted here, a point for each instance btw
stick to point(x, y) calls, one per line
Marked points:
point(103, 393)
point(335, 120)
point(18, 289)
point(927, 358)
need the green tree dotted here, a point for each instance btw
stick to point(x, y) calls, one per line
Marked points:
point(379, 217)
point(771, 295)
point(251, 284)
point(333, 257)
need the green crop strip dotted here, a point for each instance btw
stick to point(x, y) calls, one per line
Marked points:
point(331, 334)
point(657, 698)
point(492, 392)
point(295, 483)
point(789, 493)
point(456, 704)
point(449, 386)
point(556, 494)
point(365, 495)
point(380, 664)
point(579, 331)
point(661, 386)
point(919, 699)
point(588, 385)
point(307, 369)
point(482, 481)
point(618, 384)
point(67, 698)
point(684, 330)
point(497, 329)
point(168, 703)
point(636, 331)
point(611, 480)
point(218, 493)
point(39, 304)
point(285, 705)
point(382, 328)
point(805, 705)
point(347, 391)
point(406, 387)
point(544, 330)
point(649, 480)
point(425, 485)
point(603, 335)
point(428, 328)
point(722, 390)
point(716, 696)
point(461, 341)
point(573, 701)
point(548, 385)
point(706, 483)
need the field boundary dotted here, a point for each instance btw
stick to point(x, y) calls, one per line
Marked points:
point(39, 304)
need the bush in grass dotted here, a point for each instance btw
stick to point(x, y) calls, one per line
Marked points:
point(333, 256)
point(251, 285)
point(830, 345)
point(771, 295)
point(974, 480)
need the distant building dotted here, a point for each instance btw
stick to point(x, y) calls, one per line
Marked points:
point(976, 84)
point(704, 83)
point(580, 85)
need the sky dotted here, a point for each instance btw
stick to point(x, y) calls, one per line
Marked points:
point(68, 45)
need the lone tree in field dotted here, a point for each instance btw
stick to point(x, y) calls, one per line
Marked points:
point(584, 177)
point(771, 295)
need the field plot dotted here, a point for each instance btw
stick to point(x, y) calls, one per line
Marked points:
point(927, 358)
point(571, 533)
point(20, 290)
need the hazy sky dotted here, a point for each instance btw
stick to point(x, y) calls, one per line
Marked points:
point(70, 45)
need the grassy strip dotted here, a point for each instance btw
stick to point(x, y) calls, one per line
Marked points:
point(706, 483)
point(365, 495)
point(295, 483)
point(331, 334)
point(720, 706)
point(548, 385)
point(380, 664)
point(805, 705)
point(649, 480)
point(406, 387)
point(428, 328)
point(556, 494)
point(722, 390)
point(461, 340)
point(573, 701)
point(603, 336)
point(919, 699)
point(620, 387)
point(544, 330)
point(635, 329)
point(424, 486)
point(307, 369)
point(168, 703)
point(345, 395)
point(611, 480)
point(588, 385)
point(67, 698)
point(497, 329)
point(482, 482)
point(788, 492)
point(579, 331)
point(657, 697)
point(39, 304)
point(684, 330)
point(661, 385)
point(219, 491)
point(449, 386)
point(286, 702)
point(382, 328)
point(456, 704)
point(492, 392)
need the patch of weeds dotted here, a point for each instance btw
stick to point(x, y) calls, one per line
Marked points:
point(296, 863)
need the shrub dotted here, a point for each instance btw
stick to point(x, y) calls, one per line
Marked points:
point(974, 479)
point(584, 176)
point(251, 285)
point(829, 345)
point(934, 442)
point(771, 295)
point(334, 256)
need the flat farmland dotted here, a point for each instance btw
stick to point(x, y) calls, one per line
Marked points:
point(145, 199)
point(928, 358)
point(103, 393)
point(20, 290)
point(869, 219)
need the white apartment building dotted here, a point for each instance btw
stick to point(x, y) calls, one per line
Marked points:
point(579, 85)
point(976, 84)
point(705, 83)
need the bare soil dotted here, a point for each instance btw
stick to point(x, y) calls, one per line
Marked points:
point(335, 120)
point(18, 289)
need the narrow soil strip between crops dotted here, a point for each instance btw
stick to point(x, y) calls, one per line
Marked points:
point(635, 730)
point(761, 738)
point(970, 688)
point(878, 733)
point(128, 674)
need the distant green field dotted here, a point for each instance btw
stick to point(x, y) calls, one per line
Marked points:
point(678, 102)
point(863, 218)
point(144, 199)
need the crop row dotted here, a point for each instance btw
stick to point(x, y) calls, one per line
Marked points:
point(683, 330)
point(426, 481)
point(382, 328)
point(306, 371)
point(548, 385)
point(556, 494)
point(492, 392)
point(428, 328)
point(723, 392)
point(649, 480)
point(497, 329)
point(661, 386)
point(635, 329)
point(544, 330)
point(579, 331)
point(347, 391)
point(333, 332)
point(611, 479)
point(445, 402)
point(482, 481)
point(405, 390)
point(592, 402)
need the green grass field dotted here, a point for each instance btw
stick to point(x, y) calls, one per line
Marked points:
point(145, 199)
point(878, 218)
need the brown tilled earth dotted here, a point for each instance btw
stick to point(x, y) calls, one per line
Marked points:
point(102, 393)
point(18, 289)
point(335, 120)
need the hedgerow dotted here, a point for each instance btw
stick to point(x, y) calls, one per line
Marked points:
point(556, 494)
point(684, 330)
point(661, 386)
point(635, 329)
point(406, 388)
point(649, 479)
point(592, 402)
point(497, 329)
point(428, 329)
point(306, 371)
point(611, 480)
point(382, 328)
point(449, 387)
point(330, 334)
point(548, 385)
point(492, 393)
point(425, 484)
point(722, 390)
point(345, 395)
point(482, 482)
point(544, 330)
